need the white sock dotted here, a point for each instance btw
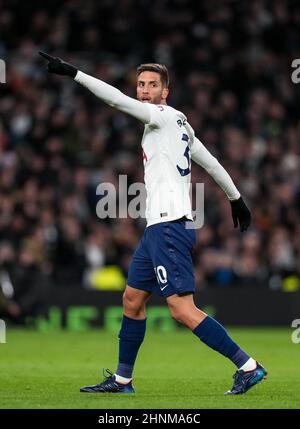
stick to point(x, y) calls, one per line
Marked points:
point(123, 380)
point(249, 365)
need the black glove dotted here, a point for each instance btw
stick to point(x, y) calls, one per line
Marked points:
point(240, 214)
point(58, 66)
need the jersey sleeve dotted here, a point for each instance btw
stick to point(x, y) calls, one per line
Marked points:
point(203, 157)
point(114, 97)
point(159, 114)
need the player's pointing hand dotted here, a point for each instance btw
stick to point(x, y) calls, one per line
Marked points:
point(58, 66)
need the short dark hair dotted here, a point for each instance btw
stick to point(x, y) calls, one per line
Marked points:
point(161, 69)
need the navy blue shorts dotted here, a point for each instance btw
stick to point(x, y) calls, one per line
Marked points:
point(162, 263)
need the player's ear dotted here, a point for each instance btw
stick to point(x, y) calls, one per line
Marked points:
point(165, 93)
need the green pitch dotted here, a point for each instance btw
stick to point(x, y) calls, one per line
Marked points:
point(174, 370)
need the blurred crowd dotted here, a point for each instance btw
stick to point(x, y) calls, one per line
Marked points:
point(230, 70)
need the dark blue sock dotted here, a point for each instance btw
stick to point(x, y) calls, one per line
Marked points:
point(215, 336)
point(131, 337)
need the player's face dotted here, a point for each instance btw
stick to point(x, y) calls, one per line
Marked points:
point(150, 88)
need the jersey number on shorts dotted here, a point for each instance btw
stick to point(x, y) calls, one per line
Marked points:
point(161, 274)
point(187, 154)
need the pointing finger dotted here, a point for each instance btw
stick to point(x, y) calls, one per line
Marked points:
point(47, 56)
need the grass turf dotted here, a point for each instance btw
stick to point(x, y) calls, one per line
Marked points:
point(173, 370)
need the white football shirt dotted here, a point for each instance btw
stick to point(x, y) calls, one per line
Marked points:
point(167, 161)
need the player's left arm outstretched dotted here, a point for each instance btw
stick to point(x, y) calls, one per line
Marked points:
point(240, 213)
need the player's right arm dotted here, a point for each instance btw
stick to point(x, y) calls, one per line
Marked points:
point(114, 97)
point(107, 93)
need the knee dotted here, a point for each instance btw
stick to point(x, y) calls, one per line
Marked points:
point(128, 301)
point(178, 315)
point(132, 305)
point(187, 318)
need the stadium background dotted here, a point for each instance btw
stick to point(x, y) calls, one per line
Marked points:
point(230, 66)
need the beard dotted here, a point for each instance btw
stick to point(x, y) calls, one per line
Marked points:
point(157, 99)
